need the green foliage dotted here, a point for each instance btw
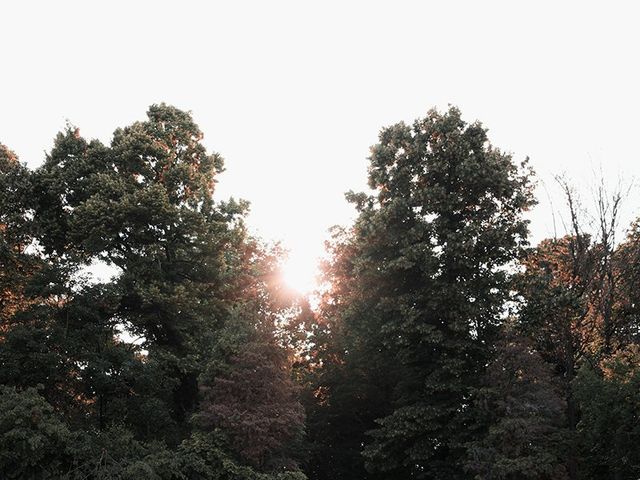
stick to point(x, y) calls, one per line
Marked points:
point(35, 444)
point(523, 409)
point(247, 388)
point(120, 362)
point(114, 454)
point(609, 431)
point(418, 288)
point(204, 457)
point(348, 378)
point(14, 193)
point(142, 204)
point(182, 366)
point(16, 233)
point(256, 402)
point(32, 439)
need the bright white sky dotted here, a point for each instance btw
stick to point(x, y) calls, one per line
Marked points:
point(293, 93)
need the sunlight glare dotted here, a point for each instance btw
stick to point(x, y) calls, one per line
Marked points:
point(299, 271)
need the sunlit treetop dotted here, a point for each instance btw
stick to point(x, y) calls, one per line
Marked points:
point(155, 178)
point(166, 149)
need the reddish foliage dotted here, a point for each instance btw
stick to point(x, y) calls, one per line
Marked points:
point(256, 403)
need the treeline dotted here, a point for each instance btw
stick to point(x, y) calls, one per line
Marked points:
point(441, 345)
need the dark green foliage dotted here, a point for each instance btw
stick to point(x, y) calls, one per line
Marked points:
point(32, 439)
point(523, 409)
point(348, 380)
point(15, 187)
point(115, 454)
point(203, 458)
point(609, 431)
point(119, 363)
point(36, 445)
point(183, 365)
point(16, 233)
point(247, 389)
point(144, 205)
point(421, 284)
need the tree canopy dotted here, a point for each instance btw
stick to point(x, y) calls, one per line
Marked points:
point(439, 345)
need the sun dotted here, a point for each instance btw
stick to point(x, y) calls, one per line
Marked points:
point(299, 272)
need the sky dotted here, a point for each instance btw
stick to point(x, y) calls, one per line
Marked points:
point(293, 93)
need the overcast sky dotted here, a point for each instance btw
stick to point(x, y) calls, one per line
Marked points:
point(292, 94)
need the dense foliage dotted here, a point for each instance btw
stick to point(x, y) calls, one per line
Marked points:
point(440, 345)
point(110, 376)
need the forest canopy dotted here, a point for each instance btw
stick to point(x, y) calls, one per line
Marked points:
point(440, 344)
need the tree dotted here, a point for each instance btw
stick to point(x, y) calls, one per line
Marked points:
point(16, 264)
point(32, 439)
point(610, 405)
point(248, 389)
point(256, 402)
point(119, 362)
point(428, 282)
point(574, 302)
point(144, 205)
point(523, 407)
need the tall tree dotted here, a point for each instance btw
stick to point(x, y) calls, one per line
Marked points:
point(119, 361)
point(144, 205)
point(427, 280)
